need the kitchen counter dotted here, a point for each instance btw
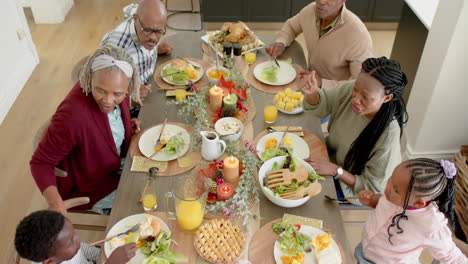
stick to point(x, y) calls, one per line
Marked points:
point(424, 9)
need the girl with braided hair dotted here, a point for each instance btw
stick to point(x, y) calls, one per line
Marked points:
point(367, 118)
point(412, 214)
point(89, 134)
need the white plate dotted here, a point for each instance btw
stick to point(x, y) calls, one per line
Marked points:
point(285, 74)
point(300, 147)
point(200, 73)
point(206, 39)
point(148, 139)
point(295, 111)
point(122, 226)
point(330, 255)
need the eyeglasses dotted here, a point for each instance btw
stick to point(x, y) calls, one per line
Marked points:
point(148, 31)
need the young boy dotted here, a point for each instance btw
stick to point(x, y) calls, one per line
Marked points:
point(48, 237)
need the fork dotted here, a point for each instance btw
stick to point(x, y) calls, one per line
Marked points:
point(158, 141)
point(282, 138)
point(193, 65)
point(285, 176)
point(311, 190)
point(131, 230)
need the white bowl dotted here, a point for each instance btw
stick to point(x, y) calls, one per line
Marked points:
point(232, 137)
point(266, 167)
point(215, 81)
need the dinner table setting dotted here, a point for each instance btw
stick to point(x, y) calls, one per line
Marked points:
point(217, 173)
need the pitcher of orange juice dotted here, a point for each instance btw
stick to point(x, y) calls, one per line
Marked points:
point(189, 200)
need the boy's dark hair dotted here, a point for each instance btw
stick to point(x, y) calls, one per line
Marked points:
point(389, 74)
point(428, 179)
point(36, 235)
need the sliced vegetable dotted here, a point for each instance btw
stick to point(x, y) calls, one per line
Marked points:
point(292, 242)
point(269, 74)
point(177, 78)
point(174, 145)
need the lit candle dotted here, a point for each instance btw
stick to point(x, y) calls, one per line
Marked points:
point(231, 170)
point(230, 100)
point(216, 98)
point(224, 191)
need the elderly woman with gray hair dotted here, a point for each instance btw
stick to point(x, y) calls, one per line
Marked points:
point(89, 134)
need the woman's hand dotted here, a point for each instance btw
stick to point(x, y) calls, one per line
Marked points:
point(54, 200)
point(275, 50)
point(165, 48)
point(122, 254)
point(310, 83)
point(135, 125)
point(323, 167)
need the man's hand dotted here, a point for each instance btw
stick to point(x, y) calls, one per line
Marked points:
point(135, 125)
point(323, 167)
point(122, 254)
point(275, 50)
point(165, 48)
point(144, 91)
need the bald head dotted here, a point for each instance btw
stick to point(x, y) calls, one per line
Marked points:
point(151, 10)
point(149, 19)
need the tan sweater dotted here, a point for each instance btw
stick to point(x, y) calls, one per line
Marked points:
point(344, 127)
point(339, 53)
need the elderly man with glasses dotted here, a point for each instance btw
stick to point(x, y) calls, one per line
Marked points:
point(139, 35)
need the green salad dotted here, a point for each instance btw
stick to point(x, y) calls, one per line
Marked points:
point(269, 74)
point(291, 241)
point(272, 152)
point(174, 145)
point(291, 163)
point(178, 78)
point(157, 250)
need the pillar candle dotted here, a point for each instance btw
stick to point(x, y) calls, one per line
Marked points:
point(225, 191)
point(216, 98)
point(230, 100)
point(231, 170)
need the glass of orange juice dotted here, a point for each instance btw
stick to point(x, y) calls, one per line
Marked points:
point(149, 196)
point(189, 199)
point(270, 113)
point(250, 57)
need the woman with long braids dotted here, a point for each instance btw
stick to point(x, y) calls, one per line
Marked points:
point(367, 118)
point(89, 134)
point(412, 215)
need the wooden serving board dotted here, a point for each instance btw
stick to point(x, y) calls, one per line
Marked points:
point(166, 86)
point(173, 165)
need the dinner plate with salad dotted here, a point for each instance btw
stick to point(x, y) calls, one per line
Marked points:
point(297, 244)
point(153, 240)
point(269, 73)
point(175, 138)
point(291, 145)
point(180, 72)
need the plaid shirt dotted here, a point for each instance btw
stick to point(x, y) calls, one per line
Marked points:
point(125, 36)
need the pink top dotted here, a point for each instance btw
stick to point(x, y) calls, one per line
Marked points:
point(425, 228)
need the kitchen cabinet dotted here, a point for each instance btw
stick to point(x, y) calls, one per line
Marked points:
point(281, 10)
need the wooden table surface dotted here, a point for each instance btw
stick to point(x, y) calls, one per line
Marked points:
point(154, 110)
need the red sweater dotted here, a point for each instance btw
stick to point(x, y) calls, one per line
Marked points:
point(79, 140)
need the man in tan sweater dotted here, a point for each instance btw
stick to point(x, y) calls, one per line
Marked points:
point(336, 39)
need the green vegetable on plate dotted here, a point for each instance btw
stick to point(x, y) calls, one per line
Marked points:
point(178, 78)
point(269, 74)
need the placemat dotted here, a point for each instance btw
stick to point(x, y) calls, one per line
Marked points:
point(166, 86)
point(317, 148)
point(263, 242)
point(250, 78)
point(173, 165)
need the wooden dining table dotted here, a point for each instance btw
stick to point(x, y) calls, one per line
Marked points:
point(155, 110)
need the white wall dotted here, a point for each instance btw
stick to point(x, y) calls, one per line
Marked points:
point(50, 11)
point(17, 53)
point(438, 105)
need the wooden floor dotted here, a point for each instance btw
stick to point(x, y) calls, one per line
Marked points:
point(60, 47)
